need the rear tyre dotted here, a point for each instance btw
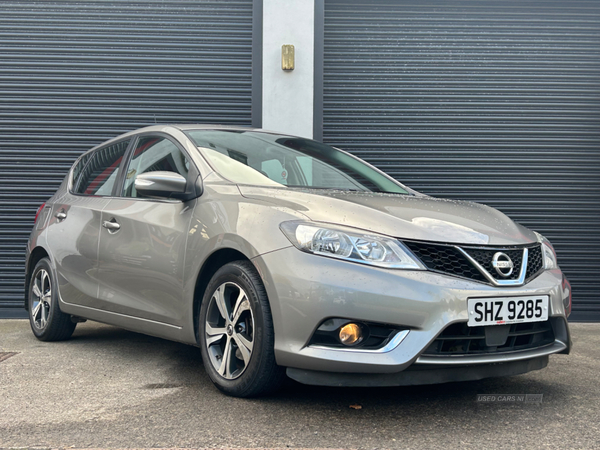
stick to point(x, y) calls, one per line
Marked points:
point(236, 333)
point(47, 321)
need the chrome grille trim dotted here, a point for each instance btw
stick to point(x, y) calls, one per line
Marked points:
point(441, 258)
point(518, 282)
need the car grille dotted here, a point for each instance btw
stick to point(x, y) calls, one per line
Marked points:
point(448, 259)
point(460, 339)
point(484, 258)
point(445, 259)
point(535, 261)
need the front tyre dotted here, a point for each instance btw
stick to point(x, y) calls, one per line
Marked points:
point(47, 321)
point(236, 333)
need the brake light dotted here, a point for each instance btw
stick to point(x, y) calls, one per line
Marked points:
point(38, 212)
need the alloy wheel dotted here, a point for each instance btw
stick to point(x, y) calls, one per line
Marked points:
point(42, 299)
point(229, 329)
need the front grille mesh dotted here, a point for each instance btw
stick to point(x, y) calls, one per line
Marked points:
point(535, 261)
point(445, 259)
point(449, 260)
point(460, 339)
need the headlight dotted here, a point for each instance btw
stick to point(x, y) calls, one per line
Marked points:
point(350, 245)
point(548, 253)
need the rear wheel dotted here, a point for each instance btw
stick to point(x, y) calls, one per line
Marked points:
point(236, 333)
point(47, 321)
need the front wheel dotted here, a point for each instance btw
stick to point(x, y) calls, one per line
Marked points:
point(236, 333)
point(47, 321)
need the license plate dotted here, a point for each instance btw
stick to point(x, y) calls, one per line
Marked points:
point(506, 310)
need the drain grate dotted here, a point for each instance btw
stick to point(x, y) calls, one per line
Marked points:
point(5, 355)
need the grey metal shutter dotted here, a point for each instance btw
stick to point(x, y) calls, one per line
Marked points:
point(73, 74)
point(496, 102)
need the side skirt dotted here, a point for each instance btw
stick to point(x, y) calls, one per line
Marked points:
point(144, 326)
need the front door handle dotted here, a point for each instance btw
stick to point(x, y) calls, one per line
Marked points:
point(112, 226)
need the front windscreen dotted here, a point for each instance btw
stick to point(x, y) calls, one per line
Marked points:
point(266, 159)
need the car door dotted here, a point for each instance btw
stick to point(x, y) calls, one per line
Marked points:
point(74, 226)
point(142, 240)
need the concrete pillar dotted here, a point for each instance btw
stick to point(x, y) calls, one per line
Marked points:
point(287, 96)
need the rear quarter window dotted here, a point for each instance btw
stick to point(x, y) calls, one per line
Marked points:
point(97, 172)
point(78, 167)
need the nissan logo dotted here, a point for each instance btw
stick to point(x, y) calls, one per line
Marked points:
point(503, 264)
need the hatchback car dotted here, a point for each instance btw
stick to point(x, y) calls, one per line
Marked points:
point(281, 255)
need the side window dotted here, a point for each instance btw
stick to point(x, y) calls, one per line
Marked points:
point(151, 154)
point(98, 173)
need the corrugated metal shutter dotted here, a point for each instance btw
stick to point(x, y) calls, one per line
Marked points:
point(496, 102)
point(73, 74)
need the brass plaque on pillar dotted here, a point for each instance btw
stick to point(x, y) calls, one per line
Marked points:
point(287, 57)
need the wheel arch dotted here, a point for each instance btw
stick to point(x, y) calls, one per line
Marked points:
point(210, 266)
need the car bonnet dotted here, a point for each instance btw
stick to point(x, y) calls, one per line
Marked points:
point(402, 216)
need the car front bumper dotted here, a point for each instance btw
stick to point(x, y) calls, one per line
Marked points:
point(306, 289)
point(417, 374)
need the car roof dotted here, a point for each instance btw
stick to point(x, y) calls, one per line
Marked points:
point(181, 127)
point(188, 126)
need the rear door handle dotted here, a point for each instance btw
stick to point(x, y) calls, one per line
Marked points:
point(61, 215)
point(112, 226)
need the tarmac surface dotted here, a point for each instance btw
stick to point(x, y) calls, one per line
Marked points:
point(111, 388)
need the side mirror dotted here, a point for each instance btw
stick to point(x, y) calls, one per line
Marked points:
point(161, 184)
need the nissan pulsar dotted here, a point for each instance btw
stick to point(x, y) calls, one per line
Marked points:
point(282, 256)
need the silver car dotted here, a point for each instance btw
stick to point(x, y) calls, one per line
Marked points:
point(279, 255)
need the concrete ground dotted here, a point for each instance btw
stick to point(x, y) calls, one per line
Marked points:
point(110, 388)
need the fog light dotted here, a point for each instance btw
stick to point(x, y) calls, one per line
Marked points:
point(351, 334)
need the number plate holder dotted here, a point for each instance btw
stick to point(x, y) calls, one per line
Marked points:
point(507, 310)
